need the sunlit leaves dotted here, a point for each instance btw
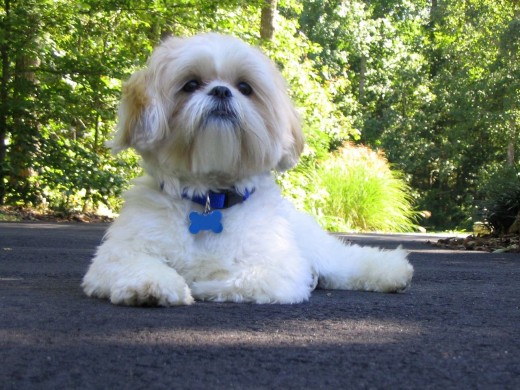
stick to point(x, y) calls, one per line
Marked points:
point(438, 90)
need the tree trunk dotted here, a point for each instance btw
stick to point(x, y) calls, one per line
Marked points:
point(267, 20)
point(362, 78)
point(434, 54)
point(512, 143)
point(25, 131)
point(24, 128)
point(4, 53)
point(433, 9)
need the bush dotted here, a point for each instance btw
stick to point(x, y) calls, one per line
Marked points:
point(359, 191)
point(500, 199)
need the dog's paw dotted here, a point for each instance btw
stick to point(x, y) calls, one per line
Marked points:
point(398, 282)
point(136, 281)
point(393, 274)
point(152, 290)
point(370, 269)
point(151, 293)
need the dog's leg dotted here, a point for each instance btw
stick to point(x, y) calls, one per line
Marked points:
point(351, 267)
point(254, 286)
point(130, 278)
point(280, 278)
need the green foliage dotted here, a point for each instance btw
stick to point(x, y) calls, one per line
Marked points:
point(500, 199)
point(434, 86)
point(359, 191)
point(325, 126)
point(59, 103)
point(73, 176)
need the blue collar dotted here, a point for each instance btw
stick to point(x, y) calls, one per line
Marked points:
point(221, 200)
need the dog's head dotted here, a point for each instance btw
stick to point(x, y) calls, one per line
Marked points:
point(209, 105)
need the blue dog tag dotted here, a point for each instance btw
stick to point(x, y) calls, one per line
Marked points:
point(206, 221)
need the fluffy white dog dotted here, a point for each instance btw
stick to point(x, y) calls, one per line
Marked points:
point(211, 118)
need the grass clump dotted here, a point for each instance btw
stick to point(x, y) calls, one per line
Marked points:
point(362, 193)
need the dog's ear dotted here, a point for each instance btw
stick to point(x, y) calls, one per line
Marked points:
point(141, 119)
point(294, 141)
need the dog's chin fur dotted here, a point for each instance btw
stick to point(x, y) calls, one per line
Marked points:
point(214, 136)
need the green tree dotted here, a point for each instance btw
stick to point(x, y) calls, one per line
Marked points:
point(62, 66)
point(464, 138)
point(19, 89)
point(432, 83)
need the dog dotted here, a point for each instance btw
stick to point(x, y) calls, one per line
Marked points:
point(211, 118)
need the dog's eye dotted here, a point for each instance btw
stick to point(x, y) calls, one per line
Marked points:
point(191, 86)
point(245, 89)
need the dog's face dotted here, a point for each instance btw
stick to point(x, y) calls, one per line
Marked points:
point(209, 105)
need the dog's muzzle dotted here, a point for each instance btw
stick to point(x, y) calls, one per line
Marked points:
point(223, 108)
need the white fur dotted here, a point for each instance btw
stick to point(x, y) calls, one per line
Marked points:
point(268, 252)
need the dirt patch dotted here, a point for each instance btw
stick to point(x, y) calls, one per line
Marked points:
point(10, 213)
point(487, 243)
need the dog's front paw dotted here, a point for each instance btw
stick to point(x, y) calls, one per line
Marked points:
point(151, 292)
point(142, 282)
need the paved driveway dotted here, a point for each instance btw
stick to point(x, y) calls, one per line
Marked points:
point(457, 327)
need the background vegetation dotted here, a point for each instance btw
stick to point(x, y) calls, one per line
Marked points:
point(434, 84)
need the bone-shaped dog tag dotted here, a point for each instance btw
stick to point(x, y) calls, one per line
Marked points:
point(206, 221)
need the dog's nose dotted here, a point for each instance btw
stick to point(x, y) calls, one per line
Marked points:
point(220, 92)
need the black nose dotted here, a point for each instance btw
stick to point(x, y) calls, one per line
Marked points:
point(220, 92)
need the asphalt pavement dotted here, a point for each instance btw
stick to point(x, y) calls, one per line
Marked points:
point(457, 327)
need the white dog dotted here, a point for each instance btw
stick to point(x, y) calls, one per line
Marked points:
point(211, 118)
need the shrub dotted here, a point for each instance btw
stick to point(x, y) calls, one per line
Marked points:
point(500, 199)
point(359, 191)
